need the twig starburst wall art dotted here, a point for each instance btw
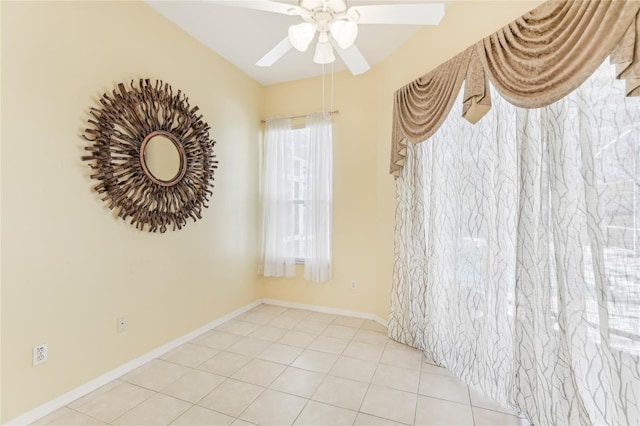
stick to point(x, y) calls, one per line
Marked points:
point(128, 124)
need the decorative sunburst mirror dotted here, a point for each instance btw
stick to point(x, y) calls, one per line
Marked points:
point(152, 156)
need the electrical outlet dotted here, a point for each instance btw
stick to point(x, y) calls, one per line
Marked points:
point(40, 354)
point(122, 324)
point(354, 285)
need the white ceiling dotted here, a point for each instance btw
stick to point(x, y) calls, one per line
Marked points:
point(242, 36)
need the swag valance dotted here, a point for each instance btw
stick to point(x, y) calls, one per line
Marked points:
point(534, 61)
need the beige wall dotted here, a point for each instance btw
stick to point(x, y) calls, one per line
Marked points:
point(69, 268)
point(354, 192)
point(0, 226)
point(364, 191)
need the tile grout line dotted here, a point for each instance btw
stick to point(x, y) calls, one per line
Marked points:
point(79, 412)
point(308, 400)
point(268, 318)
point(141, 402)
point(473, 416)
point(415, 409)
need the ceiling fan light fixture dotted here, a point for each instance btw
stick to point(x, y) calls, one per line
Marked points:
point(344, 32)
point(324, 53)
point(301, 35)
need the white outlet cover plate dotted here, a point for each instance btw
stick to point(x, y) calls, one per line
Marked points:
point(122, 324)
point(40, 354)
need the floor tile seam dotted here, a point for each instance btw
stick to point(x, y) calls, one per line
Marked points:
point(440, 374)
point(335, 337)
point(342, 325)
point(321, 382)
point(304, 332)
point(249, 355)
point(185, 366)
point(496, 411)
point(254, 322)
point(301, 411)
point(239, 416)
point(227, 352)
point(326, 352)
point(272, 381)
point(471, 403)
point(276, 362)
point(367, 391)
point(383, 418)
point(201, 398)
point(289, 393)
point(348, 378)
point(361, 359)
point(246, 382)
point(256, 384)
point(489, 409)
point(135, 406)
point(79, 412)
point(419, 370)
point(448, 400)
point(445, 399)
point(218, 373)
point(363, 398)
point(182, 412)
point(236, 334)
point(281, 344)
point(473, 415)
point(118, 380)
point(280, 327)
point(167, 385)
point(415, 411)
point(220, 348)
point(293, 360)
point(263, 340)
point(231, 415)
point(394, 388)
point(339, 406)
point(399, 366)
point(399, 390)
point(203, 346)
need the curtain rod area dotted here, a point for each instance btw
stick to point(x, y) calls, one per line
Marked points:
point(306, 115)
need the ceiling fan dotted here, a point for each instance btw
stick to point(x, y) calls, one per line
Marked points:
point(337, 26)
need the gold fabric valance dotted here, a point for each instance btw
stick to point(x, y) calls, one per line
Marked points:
point(534, 61)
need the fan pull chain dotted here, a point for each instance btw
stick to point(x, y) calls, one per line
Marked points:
point(331, 109)
point(323, 91)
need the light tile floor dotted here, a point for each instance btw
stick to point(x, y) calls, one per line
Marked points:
point(279, 366)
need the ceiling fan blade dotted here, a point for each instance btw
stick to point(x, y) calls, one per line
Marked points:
point(264, 5)
point(276, 53)
point(353, 59)
point(407, 14)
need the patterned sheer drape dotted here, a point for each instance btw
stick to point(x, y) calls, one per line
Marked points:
point(535, 60)
point(518, 254)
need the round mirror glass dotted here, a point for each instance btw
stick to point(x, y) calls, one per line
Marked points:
point(162, 158)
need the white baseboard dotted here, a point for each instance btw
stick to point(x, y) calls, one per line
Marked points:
point(326, 310)
point(82, 390)
point(381, 321)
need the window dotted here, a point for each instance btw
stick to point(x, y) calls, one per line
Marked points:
point(297, 198)
point(300, 152)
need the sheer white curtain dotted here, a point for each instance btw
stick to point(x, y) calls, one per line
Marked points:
point(317, 264)
point(517, 259)
point(277, 254)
